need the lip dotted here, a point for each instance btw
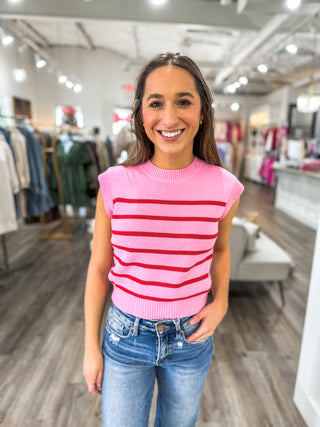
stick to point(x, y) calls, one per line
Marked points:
point(170, 138)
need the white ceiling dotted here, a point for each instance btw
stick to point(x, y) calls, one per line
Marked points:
point(226, 41)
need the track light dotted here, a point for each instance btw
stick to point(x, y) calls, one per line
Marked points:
point(69, 84)
point(62, 79)
point(6, 39)
point(243, 80)
point(292, 48)
point(262, 68)
point(40, 62)
point(77, 88)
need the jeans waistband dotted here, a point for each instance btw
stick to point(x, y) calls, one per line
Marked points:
point(153, 325)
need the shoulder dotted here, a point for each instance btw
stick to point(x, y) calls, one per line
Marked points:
point(217, 172)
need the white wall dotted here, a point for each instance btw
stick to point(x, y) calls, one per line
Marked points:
point(101, 73)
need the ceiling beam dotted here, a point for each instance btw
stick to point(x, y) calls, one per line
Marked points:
point(85, 36)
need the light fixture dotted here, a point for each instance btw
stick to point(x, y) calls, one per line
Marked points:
point(77, 88)
point(243, 80)
point(235, 106)
point(69, 84)
point(19, 74)
point(292, 48)
point(262, 68)
point(225, 2)
point(62, 79)
point(237, 85)
point(158, 2)
point(293, 4)
point(6, 39)
point(308, 103)
point(230, 89)
point(40, 62)
point(14, 1)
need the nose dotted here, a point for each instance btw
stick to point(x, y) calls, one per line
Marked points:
point(170, 116)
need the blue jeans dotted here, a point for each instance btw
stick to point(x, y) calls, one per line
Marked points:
point(136, 353)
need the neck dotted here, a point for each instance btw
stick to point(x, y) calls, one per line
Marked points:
point(171, 163)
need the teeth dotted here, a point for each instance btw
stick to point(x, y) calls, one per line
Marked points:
point(171, 134)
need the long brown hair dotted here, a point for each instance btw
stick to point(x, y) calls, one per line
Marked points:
point(204, 145)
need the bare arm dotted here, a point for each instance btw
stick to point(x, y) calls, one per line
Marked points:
point(95, 296)
point(213, 313)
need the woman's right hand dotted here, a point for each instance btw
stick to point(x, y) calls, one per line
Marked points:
point(93, 370)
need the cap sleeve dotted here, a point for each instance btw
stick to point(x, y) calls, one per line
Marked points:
point(105, 187)
point(236, 191)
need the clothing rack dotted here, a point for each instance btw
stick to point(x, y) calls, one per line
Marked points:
point(67, 234)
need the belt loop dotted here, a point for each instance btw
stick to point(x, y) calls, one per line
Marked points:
point(136, 326)
point(177, 323)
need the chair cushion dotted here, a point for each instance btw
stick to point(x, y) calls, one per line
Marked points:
point(268, 262)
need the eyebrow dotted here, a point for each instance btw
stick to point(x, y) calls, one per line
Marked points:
point(179, 95)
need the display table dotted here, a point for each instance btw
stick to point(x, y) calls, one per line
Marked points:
point(298, 194)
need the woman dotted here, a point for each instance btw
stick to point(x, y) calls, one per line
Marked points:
point(158, 217)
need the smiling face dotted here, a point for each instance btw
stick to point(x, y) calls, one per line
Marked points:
point(171, 113)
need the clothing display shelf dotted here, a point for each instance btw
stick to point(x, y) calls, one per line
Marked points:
point(51, 150)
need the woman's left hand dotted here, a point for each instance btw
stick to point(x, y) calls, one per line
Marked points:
point(210, 317)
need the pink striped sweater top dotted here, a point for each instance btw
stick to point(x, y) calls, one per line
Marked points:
point(164, 227)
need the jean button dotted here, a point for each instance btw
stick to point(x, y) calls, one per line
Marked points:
point(160, 328)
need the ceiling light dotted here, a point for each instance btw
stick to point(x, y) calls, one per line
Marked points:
point(230, 89)
point(40, 62)
point(243, 80)
point(158, 2)
point(293, 4)
point(62, 79)
point(235, 106)
point(237, 85)
point(262, 68)
point(14, 1)
point(77, 88)
point(292, 48)
point(308, 103)
point(225, 2)
point(69, 84)
point(19, 74)
point(6, 40)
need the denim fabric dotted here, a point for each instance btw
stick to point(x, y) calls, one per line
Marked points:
point(136, 353)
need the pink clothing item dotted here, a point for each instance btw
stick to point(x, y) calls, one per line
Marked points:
point(164, 227)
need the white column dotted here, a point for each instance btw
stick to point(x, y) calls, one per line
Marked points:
point(307, 389)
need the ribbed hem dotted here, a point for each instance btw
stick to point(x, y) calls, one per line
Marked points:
point(172, 175)
point(146, 309)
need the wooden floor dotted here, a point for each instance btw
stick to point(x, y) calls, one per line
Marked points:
point(252, 375)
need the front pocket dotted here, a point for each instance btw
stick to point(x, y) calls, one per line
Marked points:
point(188, 330)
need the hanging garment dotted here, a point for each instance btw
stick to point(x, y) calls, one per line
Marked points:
point(39, 199)
point(74, 180)
point(9, 185)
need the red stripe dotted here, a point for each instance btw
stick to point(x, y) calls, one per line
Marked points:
point(173, 235)
point(169, 202)
point(161, 267)
point(160, 299)
point(161, 251)
point(161, 284)
point(166, 218)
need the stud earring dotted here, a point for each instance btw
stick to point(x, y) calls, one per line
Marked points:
point(200, 122)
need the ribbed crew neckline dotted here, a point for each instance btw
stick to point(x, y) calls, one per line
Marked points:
point(172, 174)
